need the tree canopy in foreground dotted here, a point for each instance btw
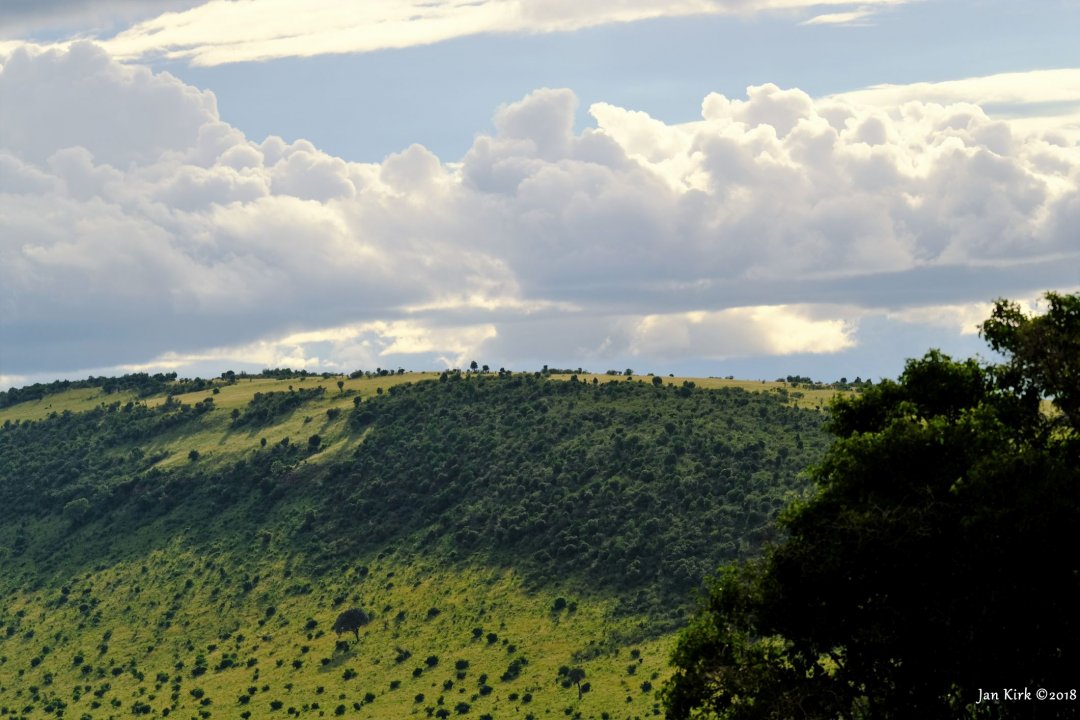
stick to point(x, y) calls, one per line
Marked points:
point(935, 561)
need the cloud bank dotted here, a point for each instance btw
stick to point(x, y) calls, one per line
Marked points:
point(1035, 101)
point(140, 228)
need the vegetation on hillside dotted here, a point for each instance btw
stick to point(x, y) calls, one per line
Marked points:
point(639, 488)
point(192, 553)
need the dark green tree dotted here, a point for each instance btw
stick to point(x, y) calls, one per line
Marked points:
point(77, 510)
point(931, 562)
point(1043, 352)
point(351, 621)
point(572, 676)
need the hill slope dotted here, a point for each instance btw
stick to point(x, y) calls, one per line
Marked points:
point(165, 551)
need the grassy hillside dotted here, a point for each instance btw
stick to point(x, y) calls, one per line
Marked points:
point(188, 554)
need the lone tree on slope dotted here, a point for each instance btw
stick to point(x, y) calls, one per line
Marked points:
point(351, 621)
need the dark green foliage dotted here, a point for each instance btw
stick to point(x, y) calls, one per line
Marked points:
point(930, 564)
point(351, 621)
point(268, 408)
point(569, 479)
point(141, 384)
point(1043, 353)
point(570, 676)
point(76, 510)
point(513, 670)
point(92, 455)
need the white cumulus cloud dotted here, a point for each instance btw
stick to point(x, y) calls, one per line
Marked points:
point(157, 233)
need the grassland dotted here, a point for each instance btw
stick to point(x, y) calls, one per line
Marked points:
point(139, 635)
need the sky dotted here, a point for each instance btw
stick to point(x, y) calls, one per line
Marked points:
point(756, 188)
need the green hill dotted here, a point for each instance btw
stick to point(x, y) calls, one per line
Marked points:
point(184, 547)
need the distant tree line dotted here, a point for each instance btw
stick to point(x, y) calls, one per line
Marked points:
point(142, 384)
